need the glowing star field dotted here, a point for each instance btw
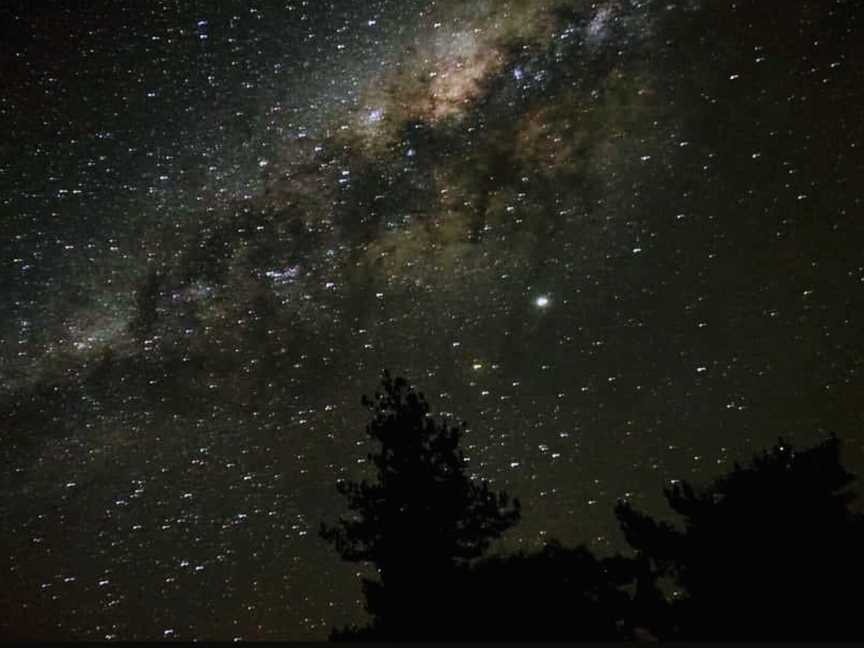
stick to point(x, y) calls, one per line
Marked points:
point(621, 239)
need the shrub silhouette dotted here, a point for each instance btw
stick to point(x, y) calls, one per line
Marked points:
point(421, 522)
point(768, 552)
point(554, 594)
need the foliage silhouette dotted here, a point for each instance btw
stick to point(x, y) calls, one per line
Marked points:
point(554, 594)
point(768, 552)
point(422, 521)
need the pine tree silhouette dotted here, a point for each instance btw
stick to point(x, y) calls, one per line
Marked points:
point(421, 522)
point(768, 552)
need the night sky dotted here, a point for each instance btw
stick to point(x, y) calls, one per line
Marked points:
point(624, 240)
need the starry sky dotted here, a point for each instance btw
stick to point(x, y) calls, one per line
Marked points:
point(622, 239)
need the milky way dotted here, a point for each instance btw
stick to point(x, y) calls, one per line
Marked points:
point(622, 239)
